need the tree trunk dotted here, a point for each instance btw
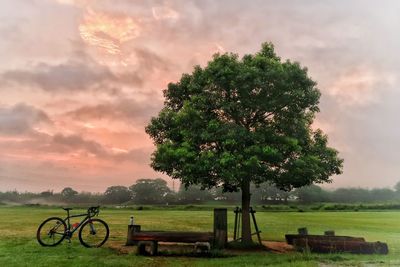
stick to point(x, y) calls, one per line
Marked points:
point(246, 227)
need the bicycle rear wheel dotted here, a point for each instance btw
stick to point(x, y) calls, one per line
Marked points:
point(94, 233)
point(51, 232)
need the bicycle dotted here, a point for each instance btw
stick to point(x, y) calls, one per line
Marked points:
point(92, 232)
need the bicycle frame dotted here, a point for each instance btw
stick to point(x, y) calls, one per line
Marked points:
point(67, 220)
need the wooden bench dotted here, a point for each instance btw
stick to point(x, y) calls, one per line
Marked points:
point(202, 240)
point(147, 241)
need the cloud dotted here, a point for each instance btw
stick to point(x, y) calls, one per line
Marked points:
point(83, 73)
point(21, 119)
point(76, 144)
point(360, 85)
point(164, 12)
point(107, 32)
point(73, 75)
point(129, 110)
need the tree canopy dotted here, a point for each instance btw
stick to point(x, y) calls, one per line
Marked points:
point(242, 120)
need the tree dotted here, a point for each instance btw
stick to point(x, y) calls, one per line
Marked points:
point(193, 194)
point(238, 121)
point(351, 195)
point(397, 187)
point(47, 193)
point(149, 191)
point(117, 194)
point(312, 193)
point(68, 193)
point(269, 193)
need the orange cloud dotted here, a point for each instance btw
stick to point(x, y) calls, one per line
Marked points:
point(107, 32)
point(359, 85)
point(163, 12)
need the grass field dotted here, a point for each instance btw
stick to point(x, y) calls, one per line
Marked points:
point(18, 245)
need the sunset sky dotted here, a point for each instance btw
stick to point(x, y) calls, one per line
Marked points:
point(79, 80)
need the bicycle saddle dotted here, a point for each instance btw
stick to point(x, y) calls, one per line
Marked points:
point(67, 209)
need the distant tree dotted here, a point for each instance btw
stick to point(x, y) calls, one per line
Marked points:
point(397, 187)
point(229, 197)
point(193, 194)
point(88, 197)
point(238, 121)
point(47, 193)
point(269, 193)
point(117, 194)
point(12, 196)
point(382, 194)
point(68, 193)
point(311, 193)
point(351, 195)
point(171, 198)
point(149, 191)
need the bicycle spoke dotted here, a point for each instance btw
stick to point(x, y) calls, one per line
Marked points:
point(50, 232)
point(94, 233)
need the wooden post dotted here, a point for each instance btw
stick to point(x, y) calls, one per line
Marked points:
point(236, 211)
point(329, 233)
point(255, 225)
point(220, 228)
point(302, 231)
point(132, 229)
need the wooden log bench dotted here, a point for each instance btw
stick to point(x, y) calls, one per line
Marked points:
point(335, 246)
point(147, 241)
point(330, 243)
point(290, 239)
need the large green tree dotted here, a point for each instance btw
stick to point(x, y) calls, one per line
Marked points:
point(243, 120)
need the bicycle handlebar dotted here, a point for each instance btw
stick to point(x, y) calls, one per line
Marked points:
point(94, 211)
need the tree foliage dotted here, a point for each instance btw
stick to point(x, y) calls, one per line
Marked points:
point(238, 119)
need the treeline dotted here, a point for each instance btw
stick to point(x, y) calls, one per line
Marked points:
point(156, 192)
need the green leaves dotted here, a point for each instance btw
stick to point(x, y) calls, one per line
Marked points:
point(238, 119)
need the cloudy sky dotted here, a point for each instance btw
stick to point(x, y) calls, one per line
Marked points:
point(79, 80)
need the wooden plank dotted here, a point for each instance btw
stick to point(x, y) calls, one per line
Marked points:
point(178, 237)
point(356, 247)
point(290, 238)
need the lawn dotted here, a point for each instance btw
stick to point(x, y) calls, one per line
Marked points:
point(18, 245)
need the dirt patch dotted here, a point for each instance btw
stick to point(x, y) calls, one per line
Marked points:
point(177, 249)
point(278, 247)
point(120, 248)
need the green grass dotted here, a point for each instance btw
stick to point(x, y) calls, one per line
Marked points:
point(18, 245)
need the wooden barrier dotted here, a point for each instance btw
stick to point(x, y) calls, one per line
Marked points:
point(144, 239)
point(176, 237)
point(290, 238)
point(334, 246)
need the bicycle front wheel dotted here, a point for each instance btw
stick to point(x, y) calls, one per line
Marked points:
point(94, 233)
point(51, 232)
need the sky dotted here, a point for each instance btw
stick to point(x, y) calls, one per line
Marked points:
point(79, 80)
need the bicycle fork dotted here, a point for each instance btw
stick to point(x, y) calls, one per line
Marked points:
point(92, 229)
